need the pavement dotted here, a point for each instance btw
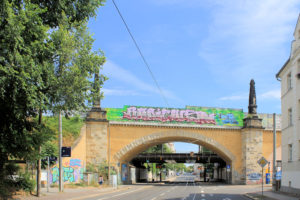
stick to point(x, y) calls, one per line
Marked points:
point(270, 195)
point(73, 193)
point(181, 188)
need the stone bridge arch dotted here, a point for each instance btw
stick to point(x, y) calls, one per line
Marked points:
point(139, 145)
point(129, 151)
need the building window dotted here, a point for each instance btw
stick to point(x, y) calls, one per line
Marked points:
point(290, 156)
point(289, 81)
point(298, 69)
point(299, 109)
point(290, 117)
point(299, 149)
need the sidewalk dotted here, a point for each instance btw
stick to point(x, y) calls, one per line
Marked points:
point(270, 195)
point(72, 193)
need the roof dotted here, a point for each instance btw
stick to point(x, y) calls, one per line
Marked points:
point(282, 68)
point(298, 23)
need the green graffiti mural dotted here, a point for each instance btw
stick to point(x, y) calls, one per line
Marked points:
point(188, 115)
point(68, 174)
point(55, 174)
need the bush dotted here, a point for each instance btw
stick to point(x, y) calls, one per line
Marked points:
point(13, 181)
point(25, 183)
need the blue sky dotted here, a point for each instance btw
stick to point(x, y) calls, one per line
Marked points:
point(202, 52)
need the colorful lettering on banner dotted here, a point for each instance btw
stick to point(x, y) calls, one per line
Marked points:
point(194, 115)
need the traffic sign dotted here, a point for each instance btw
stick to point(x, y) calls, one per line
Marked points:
point(278, 175)
point(65, 151)
point(262, 162)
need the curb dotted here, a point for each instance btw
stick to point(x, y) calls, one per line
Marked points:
point(250, 197)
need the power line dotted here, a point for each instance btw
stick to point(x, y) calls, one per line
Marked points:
point(139, 50)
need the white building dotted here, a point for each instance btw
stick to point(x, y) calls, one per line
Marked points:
point(289, 75)
point(171, 146)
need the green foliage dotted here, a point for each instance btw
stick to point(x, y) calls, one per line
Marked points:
point(70, 126)
point(46, 65)
point(25, 183)
point(15, 181)
point(157, 149)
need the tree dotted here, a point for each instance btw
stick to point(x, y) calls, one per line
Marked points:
point(31, 79)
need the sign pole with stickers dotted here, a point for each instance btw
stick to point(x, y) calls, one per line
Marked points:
point(262, 162)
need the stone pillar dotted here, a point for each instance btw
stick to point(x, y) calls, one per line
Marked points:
point(252, 144)
point(96, 136)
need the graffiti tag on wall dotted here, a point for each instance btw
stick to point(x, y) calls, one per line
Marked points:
point(189, 115)
point(72, 172)
point(254, 178)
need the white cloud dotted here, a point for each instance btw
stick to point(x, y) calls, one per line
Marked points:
point(247, 37)
point(272, 94)
point(114, 71)
point(119, 92)
point(234, 98)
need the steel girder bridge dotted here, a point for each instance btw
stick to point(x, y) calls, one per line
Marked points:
point(178, 158)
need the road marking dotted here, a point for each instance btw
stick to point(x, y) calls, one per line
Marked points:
point(195, 193)
point(100, 194)
point(162, 194)
point(122, 193)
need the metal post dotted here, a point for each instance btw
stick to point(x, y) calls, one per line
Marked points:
point(152, 172)
point(274, 151)
point(38, 176)
point(109, 154)
point(48, 173)
point(262, 182)
point(59, 147)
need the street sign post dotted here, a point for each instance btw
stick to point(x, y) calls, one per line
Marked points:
point(262, 162)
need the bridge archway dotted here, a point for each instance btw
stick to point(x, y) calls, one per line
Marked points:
point(131, 150)
point(128, 152)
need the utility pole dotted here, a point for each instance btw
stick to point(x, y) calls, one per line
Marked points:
point(38, 177)
point(274, 152)
point(59, 147)
point(48, 174)
point(108, 154)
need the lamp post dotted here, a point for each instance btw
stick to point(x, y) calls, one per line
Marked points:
point(274, 152)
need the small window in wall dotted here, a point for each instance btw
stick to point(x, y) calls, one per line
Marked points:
point(290, 117)
point(299, 109)
point(298, 69)
point(289, 81)
point(290, 152)
point(299, 149)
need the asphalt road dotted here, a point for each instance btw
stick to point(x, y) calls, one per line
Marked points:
point(179, 190)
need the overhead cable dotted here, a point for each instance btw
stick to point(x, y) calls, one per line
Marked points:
point(143, 57)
